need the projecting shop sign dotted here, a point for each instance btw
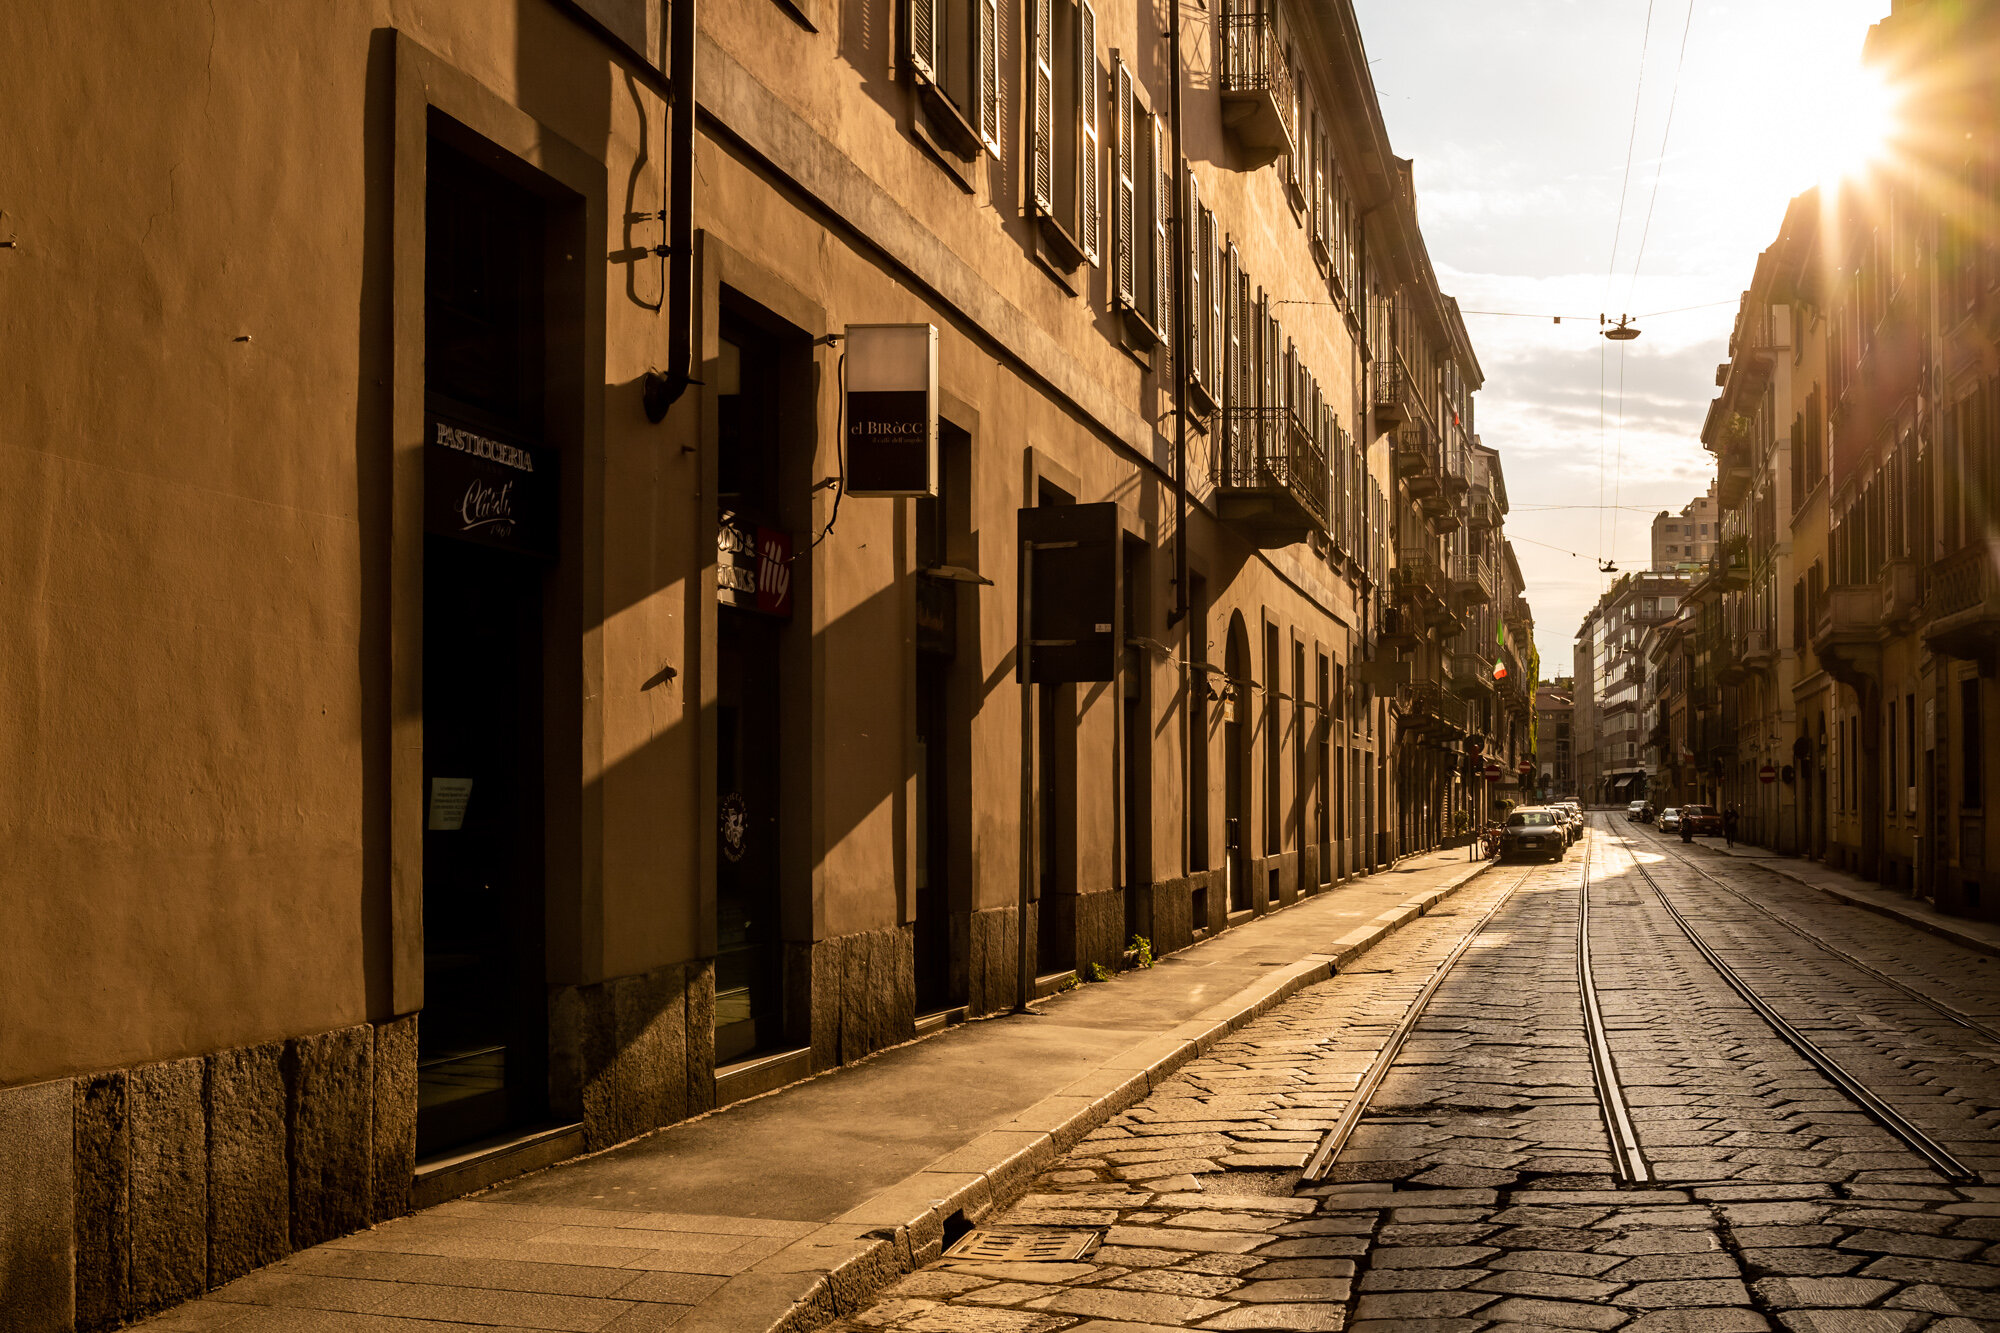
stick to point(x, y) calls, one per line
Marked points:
point(892, 375)
point(495, 492)
point(753, 567)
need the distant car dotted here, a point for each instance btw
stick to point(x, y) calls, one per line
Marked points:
point(1647, 815)
point(1670, 820)
point(1574, 814)
point(1704, 821)
point(1636, 811)
point(1534, 831)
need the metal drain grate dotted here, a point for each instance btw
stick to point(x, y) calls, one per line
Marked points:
point(1024, 1245)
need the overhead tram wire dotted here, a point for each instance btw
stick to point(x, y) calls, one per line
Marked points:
point(1659, 171)
point(1611, 264)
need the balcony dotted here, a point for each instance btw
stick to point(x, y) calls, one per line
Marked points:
point(1964, 605)
point(1456, 482)
point(1419, 580)
point(1480, 511)
point(1272, 478)
point(1399, 628)
point(1441, 511)
point(1760, 650)
point(1847, 632)
point(1472, 581)
point(1430, 712)
point(1900, 601)
point(1392, 393)
point(1416, 461)
point(1471, 673)
point(1728, 663)
point(1256, 85)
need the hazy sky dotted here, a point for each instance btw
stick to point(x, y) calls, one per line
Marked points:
point(1518, 114)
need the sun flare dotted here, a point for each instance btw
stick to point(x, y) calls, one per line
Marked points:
point(1854, 124)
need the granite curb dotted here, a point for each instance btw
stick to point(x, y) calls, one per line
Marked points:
point(834, 1270)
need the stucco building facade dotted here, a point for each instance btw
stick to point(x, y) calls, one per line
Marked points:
point(468, 709)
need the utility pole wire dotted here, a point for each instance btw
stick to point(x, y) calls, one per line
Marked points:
point(1661, 169)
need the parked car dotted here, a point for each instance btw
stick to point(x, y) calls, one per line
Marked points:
point(1573, 813)
point(1670, 820)
point(1534, 831)
point(1704, 821)
point(1636, 811)
point(1650, 813)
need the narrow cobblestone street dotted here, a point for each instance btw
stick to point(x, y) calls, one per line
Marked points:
point(1480, 1188)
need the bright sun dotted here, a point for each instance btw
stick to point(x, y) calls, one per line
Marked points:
point(1853, 125)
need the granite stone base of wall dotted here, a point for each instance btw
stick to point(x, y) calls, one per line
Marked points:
point(864, 994)
point(633, 1053)
point(992, 961)
point(134, 1189)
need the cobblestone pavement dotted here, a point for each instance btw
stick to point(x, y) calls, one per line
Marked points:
point(1479, 1192)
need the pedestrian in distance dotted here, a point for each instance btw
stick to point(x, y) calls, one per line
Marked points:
point(1729, 818)
point(1687, 828)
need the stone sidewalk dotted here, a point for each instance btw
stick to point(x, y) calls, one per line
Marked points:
point(785, 1211)
point(1984, 936)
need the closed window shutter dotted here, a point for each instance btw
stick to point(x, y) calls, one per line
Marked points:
point(1163, 217)
point(1090, 155)
point(1193, 256)
point(1125, 203)
point(1042, 128)
point(1318, 184)
point(988, 58)
point(1293, 166)
point(920, 36)
point(1213, 343)
point(1233, 333)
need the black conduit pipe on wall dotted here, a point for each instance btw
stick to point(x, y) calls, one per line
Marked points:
point(664, 388)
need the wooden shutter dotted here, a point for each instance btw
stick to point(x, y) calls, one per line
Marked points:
point(920, 36)
point(1191, 252)
point(1213, 339)
point(1090, 150)
point(1161, 189)
point(1293, 166)
point(1042, 168)
point(1318, 191)
point(1233, 333)
point(1125, 201)
point(988, 59)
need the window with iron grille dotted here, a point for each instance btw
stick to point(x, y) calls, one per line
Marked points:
point(952, 51)
point(1065, 124)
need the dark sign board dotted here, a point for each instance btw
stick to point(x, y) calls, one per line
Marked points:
point(479, 488)
point(891, 409)
point(1070, 631)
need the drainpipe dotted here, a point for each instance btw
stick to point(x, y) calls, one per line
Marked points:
point(1179, 351)
point(663, 388)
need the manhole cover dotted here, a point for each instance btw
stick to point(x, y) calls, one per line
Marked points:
point(1024, 1245)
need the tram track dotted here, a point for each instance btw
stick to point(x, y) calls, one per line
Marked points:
point(1336, 1139)
point(1850, 1086)
point(1628, 1157)
point(1973, 1023)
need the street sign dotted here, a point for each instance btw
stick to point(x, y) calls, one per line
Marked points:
point(1768, 773)
point(1494, 772)
point(1525, 768)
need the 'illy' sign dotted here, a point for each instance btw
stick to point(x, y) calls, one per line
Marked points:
point(493, 492)
point(892, 376)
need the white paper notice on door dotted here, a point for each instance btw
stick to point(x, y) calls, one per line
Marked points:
point(448, 801)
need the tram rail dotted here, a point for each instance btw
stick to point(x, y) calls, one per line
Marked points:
point(1850, 1086)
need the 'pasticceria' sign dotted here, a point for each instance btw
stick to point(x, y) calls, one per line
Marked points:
point(481, 489)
